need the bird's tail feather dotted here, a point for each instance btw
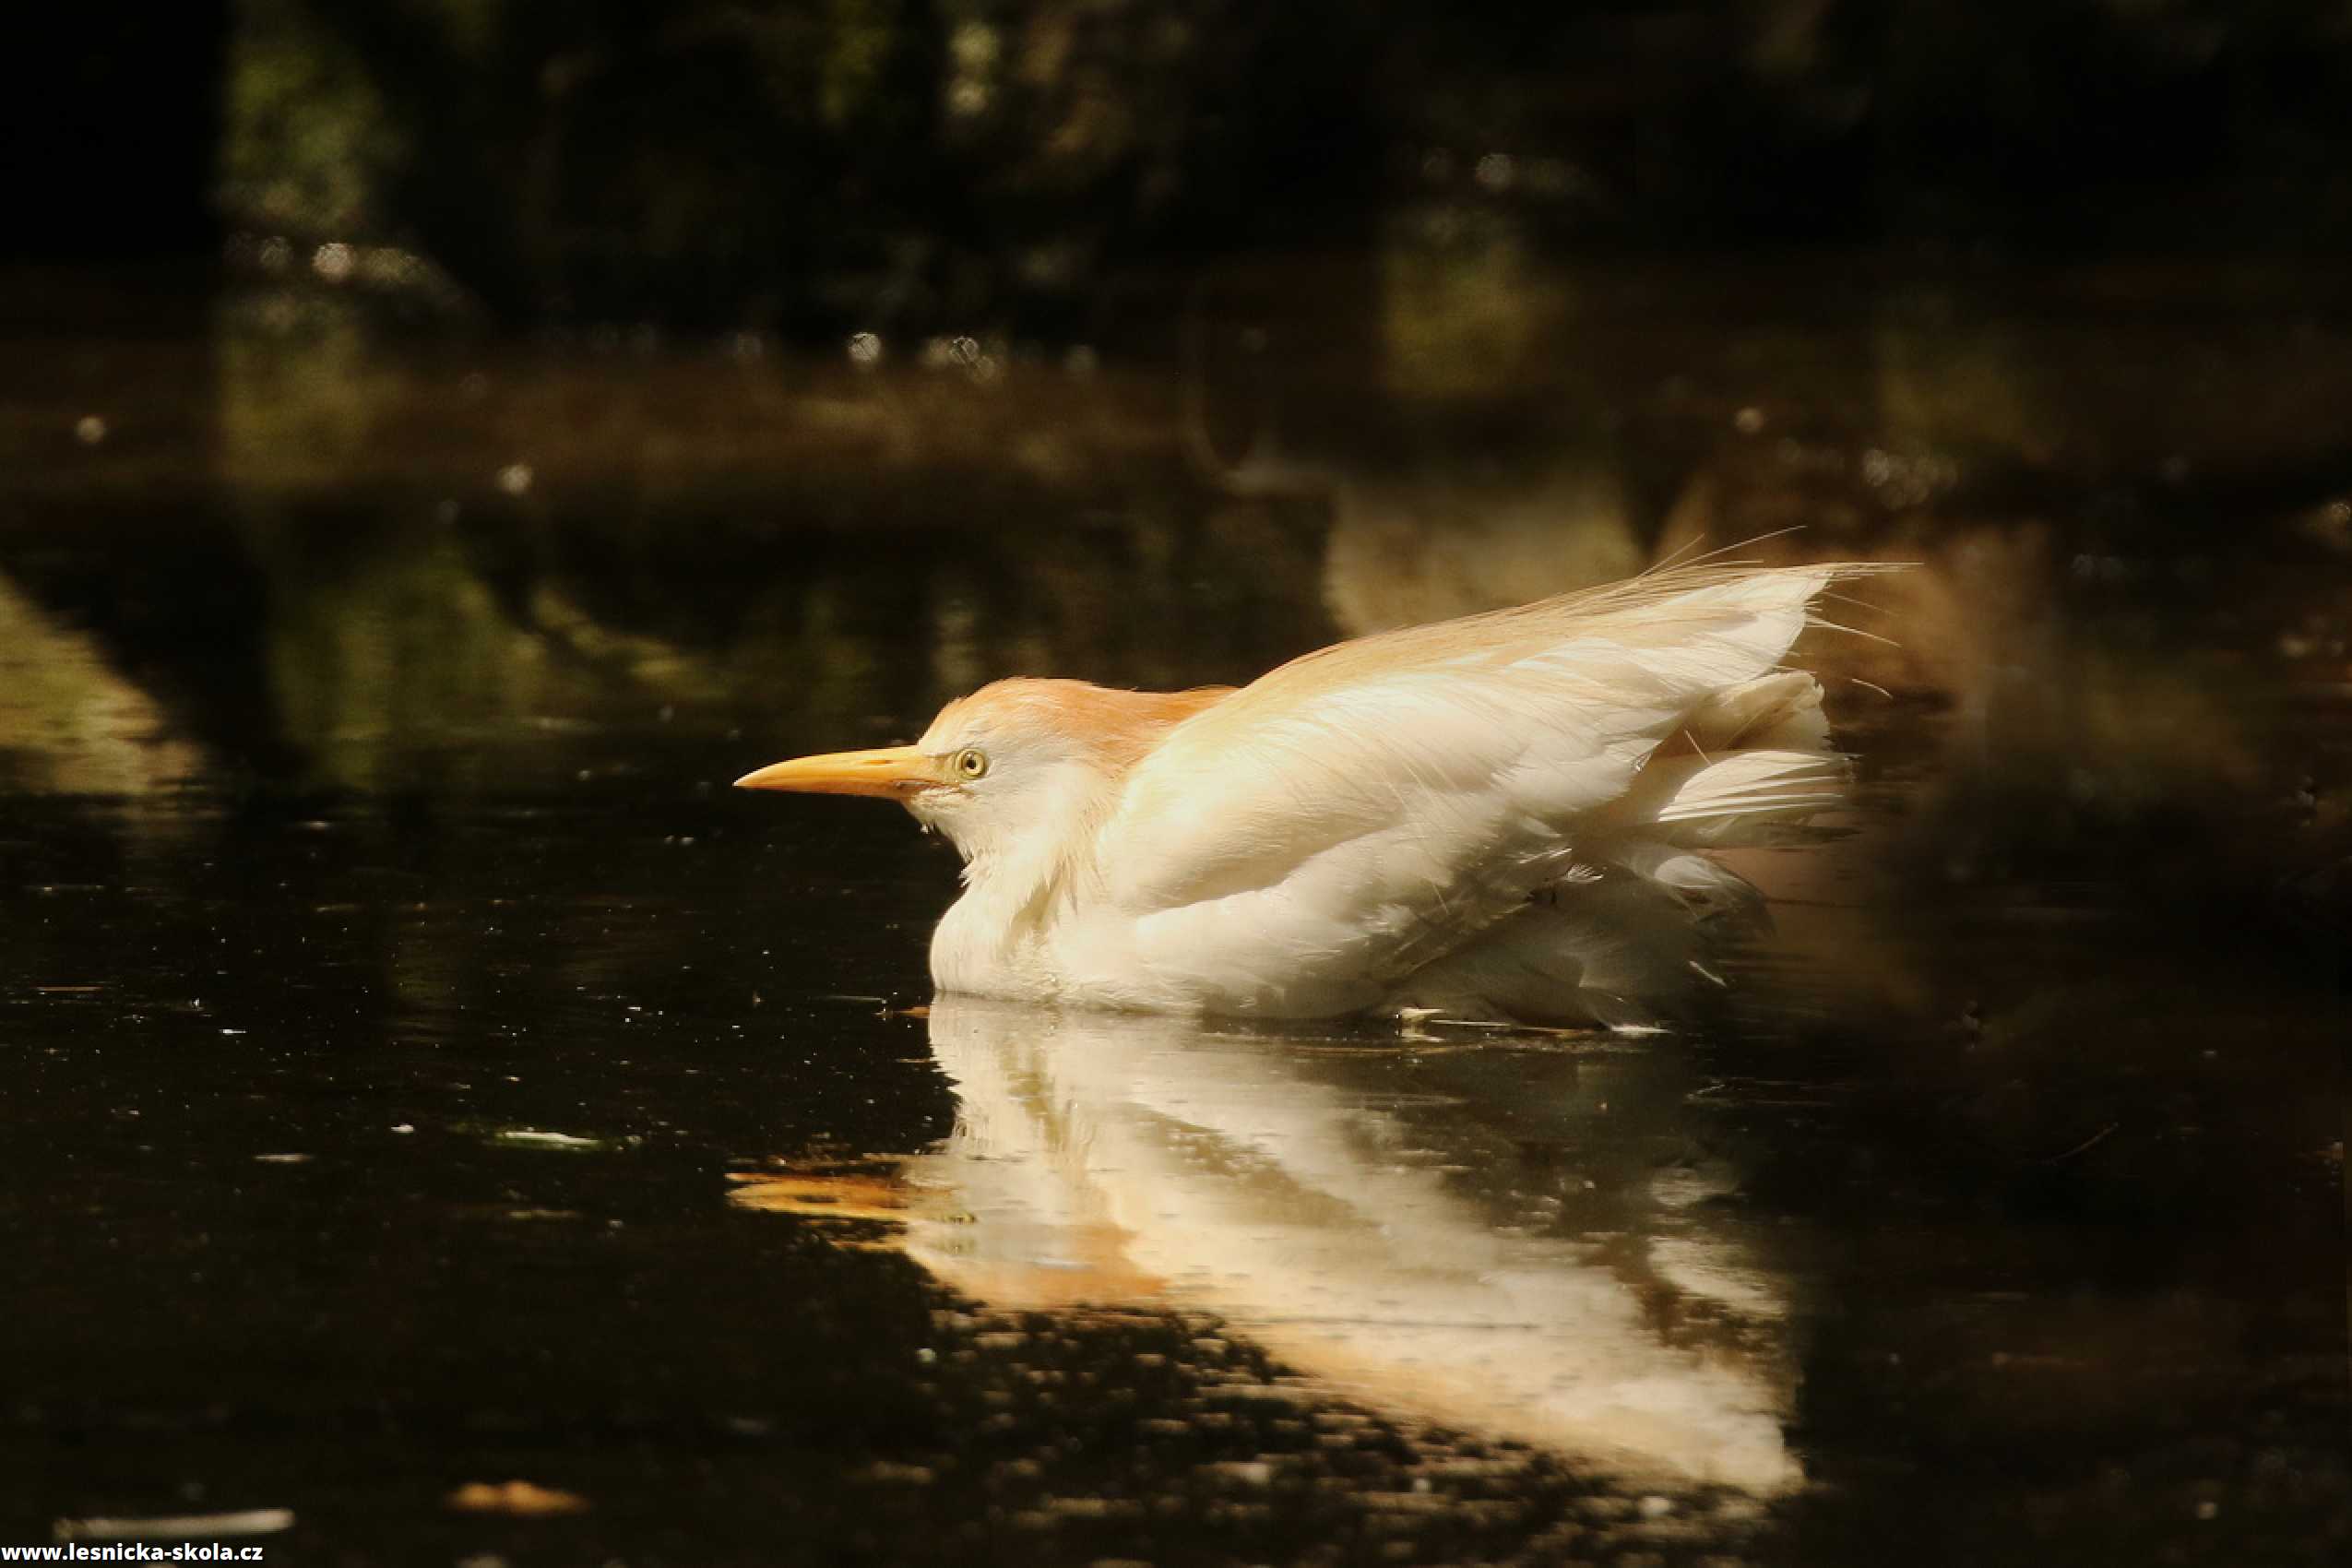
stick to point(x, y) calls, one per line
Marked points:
point(1780, 711)
point(1706, 890)
point(1746, 764)
point(1744, 798)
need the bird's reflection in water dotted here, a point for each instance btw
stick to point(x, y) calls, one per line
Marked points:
point(1511, 1241)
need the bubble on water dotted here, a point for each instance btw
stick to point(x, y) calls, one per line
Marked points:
point(865, 350)
point(514, 479)
point(89, 429)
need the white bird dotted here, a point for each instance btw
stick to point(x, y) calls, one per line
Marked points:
point(1499, 816)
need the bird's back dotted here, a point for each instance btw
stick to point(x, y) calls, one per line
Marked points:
point(1503, 813)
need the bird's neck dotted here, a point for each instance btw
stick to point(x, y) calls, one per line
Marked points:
point(1021, 878)
point(997, 940)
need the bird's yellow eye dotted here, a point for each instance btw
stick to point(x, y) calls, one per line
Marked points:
point(971, 762)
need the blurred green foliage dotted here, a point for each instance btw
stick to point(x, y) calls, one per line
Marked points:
point(309, 144)
point(758, 164)
point(791, 163)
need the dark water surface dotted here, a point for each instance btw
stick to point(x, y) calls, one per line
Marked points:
point(419, 1069)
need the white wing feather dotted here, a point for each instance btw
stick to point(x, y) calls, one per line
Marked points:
point(1310, 840)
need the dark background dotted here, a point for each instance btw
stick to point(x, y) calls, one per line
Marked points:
point(439, 449)
point(907, 163)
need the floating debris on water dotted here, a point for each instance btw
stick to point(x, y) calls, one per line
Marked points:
point(178, 1526)
point(517, 1496)
point(547, 1140)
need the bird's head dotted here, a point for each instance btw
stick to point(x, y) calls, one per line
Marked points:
point(1017, 762)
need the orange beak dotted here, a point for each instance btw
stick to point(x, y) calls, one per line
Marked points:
point(892, 772)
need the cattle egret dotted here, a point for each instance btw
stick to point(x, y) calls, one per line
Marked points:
point(1501, 817)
